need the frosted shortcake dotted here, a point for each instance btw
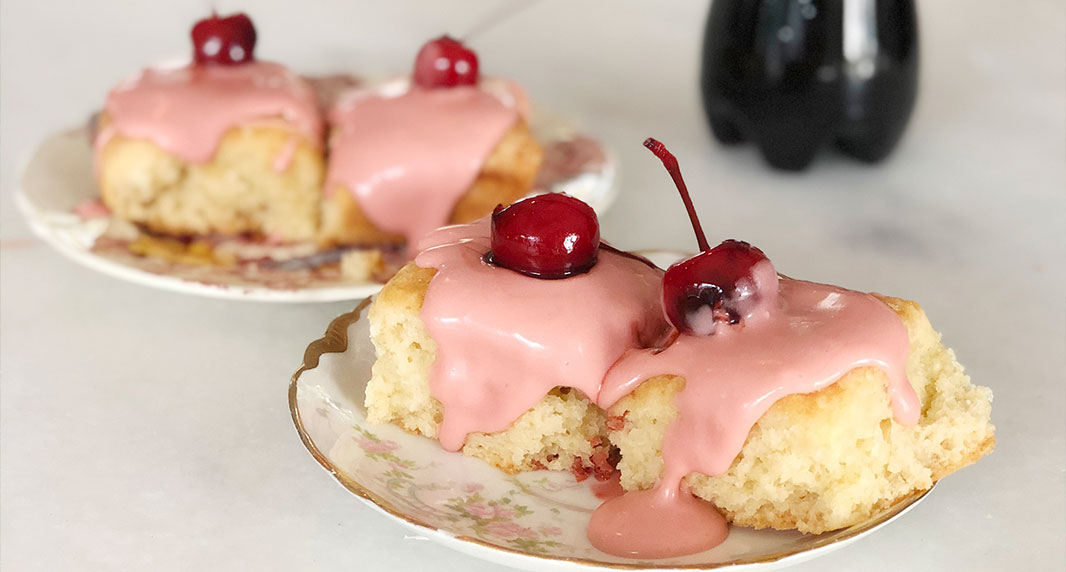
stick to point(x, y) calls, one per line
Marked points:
point(224, 145)
point(409, 157)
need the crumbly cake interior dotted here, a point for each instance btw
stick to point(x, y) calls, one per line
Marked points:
point(238, 192)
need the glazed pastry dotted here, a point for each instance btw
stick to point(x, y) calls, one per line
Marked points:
point(445, 148)
point(785, 404)
point(225, 145)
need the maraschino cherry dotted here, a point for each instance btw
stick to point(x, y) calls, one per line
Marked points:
point(445, 62)
point(227, 40)
point(547, 236)
point(717, 285)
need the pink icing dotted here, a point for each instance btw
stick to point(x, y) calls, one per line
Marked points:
point(408, 158)
point(504, 340)
point(802, 337)
point(186, 110)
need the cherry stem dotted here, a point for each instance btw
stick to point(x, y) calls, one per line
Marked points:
point(670, 162)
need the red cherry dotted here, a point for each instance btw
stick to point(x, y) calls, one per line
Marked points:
point(225, 41)
point(715, 286)
point(718, 285)
point(445, 62)
point(547, 236)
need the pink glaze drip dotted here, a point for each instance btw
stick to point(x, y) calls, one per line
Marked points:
point(504, 340)
point(802, 337)
point(656, 523)
point(186, 110)
point(408, 158)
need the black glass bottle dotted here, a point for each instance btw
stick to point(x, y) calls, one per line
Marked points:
point(795, 76)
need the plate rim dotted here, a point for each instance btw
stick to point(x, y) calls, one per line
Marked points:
point(335, 340)
point(113, 269)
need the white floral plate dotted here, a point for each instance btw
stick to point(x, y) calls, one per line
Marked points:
point(531, 521)
point(58, 197)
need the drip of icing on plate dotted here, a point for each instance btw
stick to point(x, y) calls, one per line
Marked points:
point(497, 355)
point(187, 110)
point(408, 158)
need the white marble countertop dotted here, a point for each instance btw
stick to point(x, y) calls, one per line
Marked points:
point(145, 430)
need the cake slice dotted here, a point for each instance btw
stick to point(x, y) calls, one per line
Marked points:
point(520, 402)
point(561, 429)
point(829, 459)
point(225, 145)
point(409, 157)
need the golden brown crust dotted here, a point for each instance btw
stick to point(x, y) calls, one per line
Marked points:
point(406, 290)
point(507, 175)
point(985, 447)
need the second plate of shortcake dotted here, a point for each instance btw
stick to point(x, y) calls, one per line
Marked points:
point(236, 177)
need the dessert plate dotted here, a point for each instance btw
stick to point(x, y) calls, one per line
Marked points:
point(530, 521)
point(59, 198)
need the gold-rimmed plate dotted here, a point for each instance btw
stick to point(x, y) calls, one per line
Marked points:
point(531, 521)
